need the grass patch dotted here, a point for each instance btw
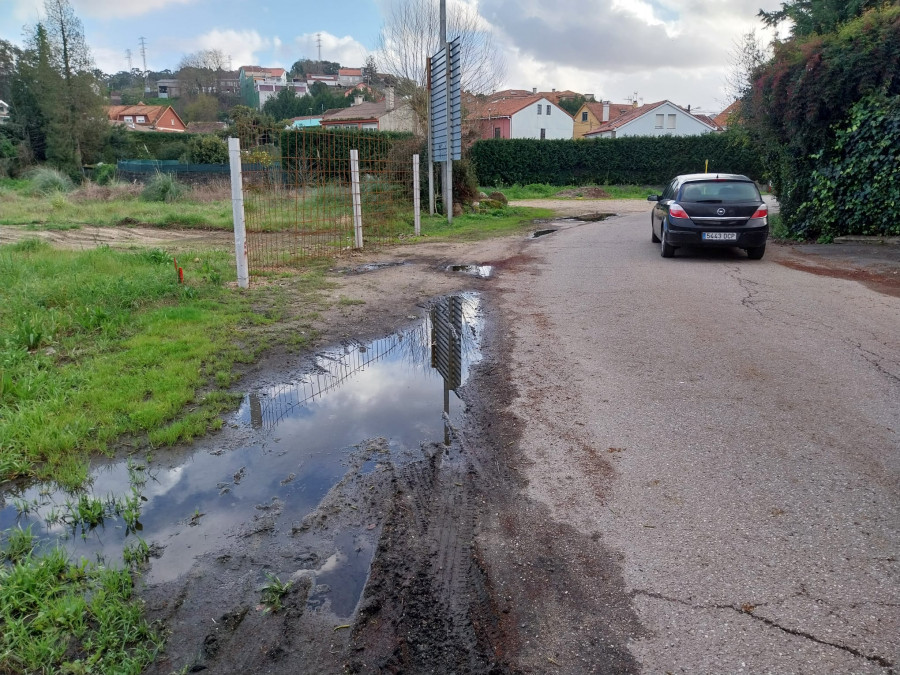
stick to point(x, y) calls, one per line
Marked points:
point(477, 226)
point(545, 191)
point(63, 617)
point(102, 343)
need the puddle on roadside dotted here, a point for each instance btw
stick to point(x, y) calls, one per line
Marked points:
point(297, 440)
point(541, 233)
point(590, 217)
point(482, 271)
point(371, 267)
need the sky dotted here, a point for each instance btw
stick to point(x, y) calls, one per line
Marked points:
point(614, 49)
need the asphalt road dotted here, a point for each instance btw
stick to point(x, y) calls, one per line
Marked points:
point(730, 430)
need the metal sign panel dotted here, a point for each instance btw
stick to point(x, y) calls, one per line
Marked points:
point(446, 112)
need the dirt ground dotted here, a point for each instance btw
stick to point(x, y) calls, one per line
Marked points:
point(434, 601)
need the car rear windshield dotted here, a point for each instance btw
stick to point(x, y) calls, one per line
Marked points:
point(719, 192)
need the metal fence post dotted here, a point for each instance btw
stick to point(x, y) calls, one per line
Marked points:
point(416, 212)
point(237, 210)
point(354, 190)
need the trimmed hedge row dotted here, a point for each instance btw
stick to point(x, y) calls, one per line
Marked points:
point(604, 161)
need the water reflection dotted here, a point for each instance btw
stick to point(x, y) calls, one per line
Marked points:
point(283, 450)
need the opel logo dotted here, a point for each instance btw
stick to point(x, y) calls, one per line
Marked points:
point(720, 212)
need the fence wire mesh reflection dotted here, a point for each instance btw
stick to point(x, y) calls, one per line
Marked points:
point(443, 345)
point(298, 194)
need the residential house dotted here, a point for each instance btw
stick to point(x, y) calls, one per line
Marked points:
point(327, 80)
point(349, 77)
point(4, 112)
point(662, 118)
point(517, 116)
point(305, 121)
point(250, 79)
point(595, 114)
point(267, 90)
point(384, 115)
point(168, 88)
point(729, 116)
point(142, 117)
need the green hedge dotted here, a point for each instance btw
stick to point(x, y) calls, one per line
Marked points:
point(605, 161)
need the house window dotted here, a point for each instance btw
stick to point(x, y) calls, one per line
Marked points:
point(129, 119)
point(543, 134)
point(584, 116)
point(671, 122)
point(539, 108)
point(548, 109)
point(496, 132)
point(659, 121)
point(140, 119)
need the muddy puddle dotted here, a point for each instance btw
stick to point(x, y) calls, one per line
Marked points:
point(357, 409)
point(481, 271)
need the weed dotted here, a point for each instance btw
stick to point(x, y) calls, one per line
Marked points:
point(47, 181)
point(273, 592)
point(346, 302)
point(136, 553)
point(20, 543)
point(163, 187)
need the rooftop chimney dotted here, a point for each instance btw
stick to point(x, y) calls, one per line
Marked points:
point(389, 99)
point(605, 111)
point(534, 90)
point(358, 99)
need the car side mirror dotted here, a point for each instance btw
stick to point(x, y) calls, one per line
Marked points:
point(653, 198)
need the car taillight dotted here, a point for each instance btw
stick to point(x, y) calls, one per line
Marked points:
point(761, 212)
point(676, 211)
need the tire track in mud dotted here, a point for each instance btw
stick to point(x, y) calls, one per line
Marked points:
point(425, 609)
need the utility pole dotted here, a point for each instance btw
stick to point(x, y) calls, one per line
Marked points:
point(144, 56)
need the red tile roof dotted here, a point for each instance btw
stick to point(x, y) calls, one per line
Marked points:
point(723, 119)
point(615, 109)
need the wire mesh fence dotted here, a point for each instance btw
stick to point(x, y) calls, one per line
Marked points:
point(299, 196)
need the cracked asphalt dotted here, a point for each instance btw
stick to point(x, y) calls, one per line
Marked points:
point(730, 431)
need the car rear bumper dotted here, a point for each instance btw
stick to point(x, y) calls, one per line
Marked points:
point(748, 236)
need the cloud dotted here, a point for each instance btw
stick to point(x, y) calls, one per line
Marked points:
point(245, 47)
point(344, 50)
point(115, 9)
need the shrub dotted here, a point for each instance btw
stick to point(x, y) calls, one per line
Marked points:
point(163, 188)
point(46, 181)
point(104, 174)
point(208, 149)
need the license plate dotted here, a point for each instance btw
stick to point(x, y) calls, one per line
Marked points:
point(720, 236)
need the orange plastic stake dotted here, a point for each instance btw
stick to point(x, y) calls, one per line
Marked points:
point(180, 276)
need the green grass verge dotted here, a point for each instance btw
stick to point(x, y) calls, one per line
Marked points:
point(477, 226)
point(57, 616)
point(545, 191)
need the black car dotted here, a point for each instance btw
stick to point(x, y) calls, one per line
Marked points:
point(708, 209)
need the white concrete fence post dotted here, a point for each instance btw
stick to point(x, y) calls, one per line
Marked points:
point(416, 212)
point(354, 191)
point(237, 210)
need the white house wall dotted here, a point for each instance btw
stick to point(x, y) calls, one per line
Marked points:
point(645, 125)
point(528, 124)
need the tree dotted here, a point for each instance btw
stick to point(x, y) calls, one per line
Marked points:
point(370, 70)
point(58, 79)
point(9, 56)
point(803, 97)
point(202, 72)
point(744, 59)
point(411, 34)
point(808, 17)
point(204, 108)
point(572, 105)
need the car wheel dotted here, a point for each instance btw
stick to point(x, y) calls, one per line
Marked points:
point(756, 253)
point(665, 250)
point(653, 236)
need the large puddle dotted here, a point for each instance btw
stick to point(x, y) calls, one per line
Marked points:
point(296, 440)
